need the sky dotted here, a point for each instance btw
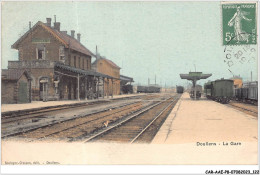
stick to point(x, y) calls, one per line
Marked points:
point(145, 39)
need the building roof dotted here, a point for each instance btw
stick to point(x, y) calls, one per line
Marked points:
point(125, 78)
point(82, 72)
point(236, 77)
point(14, 74)
point(108, 61)
point(67, 40)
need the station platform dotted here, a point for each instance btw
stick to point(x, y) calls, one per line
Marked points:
point(213, 131)
point(41, 104)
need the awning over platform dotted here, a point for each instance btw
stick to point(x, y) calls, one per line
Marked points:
point(82, 72)
point(194, 75)
point(125, 78)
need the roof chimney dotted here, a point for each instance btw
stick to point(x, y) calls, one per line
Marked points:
point(78, 37)
point(97, 54)
point(57, 26)
point(48, 22)
point(72, 33)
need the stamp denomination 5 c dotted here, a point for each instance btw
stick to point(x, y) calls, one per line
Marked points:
point(239, 23)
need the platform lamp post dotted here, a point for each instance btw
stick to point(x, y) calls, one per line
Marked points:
point(195, 89)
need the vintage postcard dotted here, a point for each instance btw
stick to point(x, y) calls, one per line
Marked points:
point(130, 83)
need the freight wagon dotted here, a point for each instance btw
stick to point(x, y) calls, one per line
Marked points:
point(248, 92)
point(219, 90)
point(207, 89)
point(141, 89)
point(197, 90)
point(179, 89)
point(153, 89)
point(148, 89)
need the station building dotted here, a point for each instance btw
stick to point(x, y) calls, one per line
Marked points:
point(108, 67)
point(58, 64)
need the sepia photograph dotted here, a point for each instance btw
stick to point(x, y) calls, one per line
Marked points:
point(130, 83)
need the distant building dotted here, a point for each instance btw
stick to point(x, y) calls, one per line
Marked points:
point(238, 82)
point(108, 67)
point(59, 65)
point(16, 86)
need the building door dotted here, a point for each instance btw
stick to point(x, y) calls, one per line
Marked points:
point(23, 93)
point(75, 91)
point(82, 90)
point(44, 89)
point(41, 91)
point(69, 89)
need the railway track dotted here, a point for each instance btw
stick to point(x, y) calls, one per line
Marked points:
point(76, 129)
point(139, 127)
point(37, 131)
point(9, 117)
point(244, 109)
point(15, 133)
point(42, 112)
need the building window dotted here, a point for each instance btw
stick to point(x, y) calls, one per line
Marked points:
point(89, 64)
point(40, 53)
point(62, 53)
point(69, 60)
point(75, 61)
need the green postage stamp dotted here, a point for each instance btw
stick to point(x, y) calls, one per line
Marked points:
point(239, 23)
